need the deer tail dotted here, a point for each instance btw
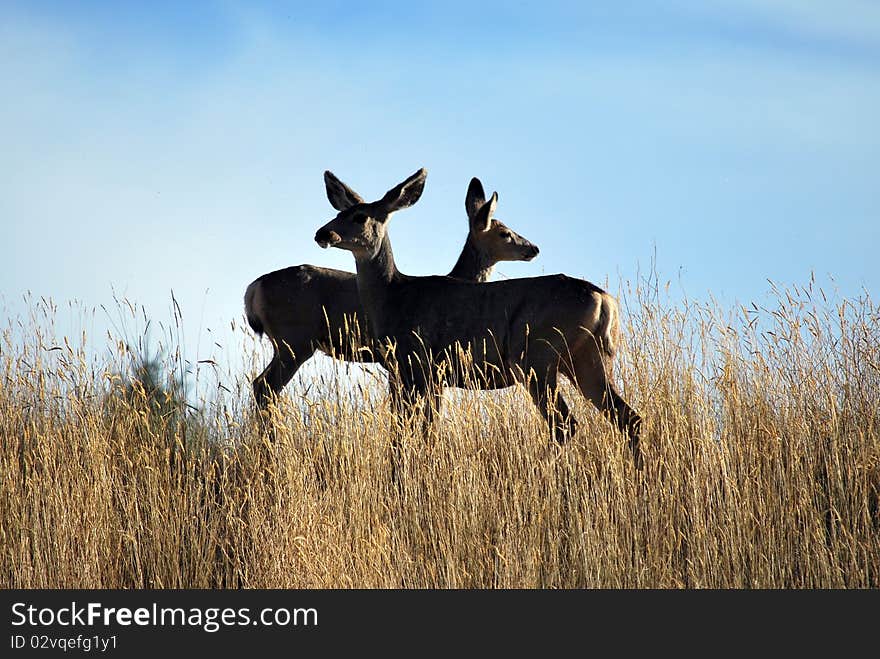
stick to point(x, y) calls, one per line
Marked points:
point(608, 328)
point(250, 307)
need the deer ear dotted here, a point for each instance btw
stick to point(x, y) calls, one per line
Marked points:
point(475, 198)
point(482, 221)
point(405, 194)
point(340, 195)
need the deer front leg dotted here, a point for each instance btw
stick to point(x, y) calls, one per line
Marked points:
point(285, 363)
point(409, 400)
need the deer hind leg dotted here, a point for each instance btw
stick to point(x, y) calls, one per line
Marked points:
point(549, 401)
point(285, 363)
point(592, 380)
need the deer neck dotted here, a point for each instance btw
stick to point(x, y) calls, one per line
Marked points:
point(472, 264)
point(375, 273)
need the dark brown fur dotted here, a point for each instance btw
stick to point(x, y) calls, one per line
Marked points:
point(440, 331)
point(305, 308)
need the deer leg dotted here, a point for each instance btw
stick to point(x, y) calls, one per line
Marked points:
point(431, 399)
point(433, 406)
point(398, 409)
point(285, 363)
point(405, 398)
point(594, 384)
point(420, 401)
point(552, 406)
point(419, 393)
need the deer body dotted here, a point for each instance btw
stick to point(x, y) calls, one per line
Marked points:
point(305, 308)
point(440, 331)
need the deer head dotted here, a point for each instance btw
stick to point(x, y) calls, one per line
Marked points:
point(490, 236)
point(360, 227)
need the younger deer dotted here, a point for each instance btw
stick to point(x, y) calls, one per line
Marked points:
point(439, 331)
point(306, 308)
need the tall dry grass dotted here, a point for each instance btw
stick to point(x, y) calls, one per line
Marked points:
point(762, 469)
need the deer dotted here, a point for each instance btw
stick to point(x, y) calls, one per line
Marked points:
point(306, 308)
point(436, 331)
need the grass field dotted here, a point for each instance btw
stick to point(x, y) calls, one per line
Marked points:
point(761, 445)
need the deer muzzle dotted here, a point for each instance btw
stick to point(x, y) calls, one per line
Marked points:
point(325, 238)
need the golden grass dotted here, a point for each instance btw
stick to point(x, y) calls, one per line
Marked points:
point(760, 441)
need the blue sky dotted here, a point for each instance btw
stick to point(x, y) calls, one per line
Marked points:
point(156, 146)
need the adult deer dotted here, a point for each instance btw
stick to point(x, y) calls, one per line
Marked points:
point(441, 331)
point(306, 308)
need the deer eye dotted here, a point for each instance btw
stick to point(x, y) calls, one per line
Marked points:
point(506, 235)
point(360, 218)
